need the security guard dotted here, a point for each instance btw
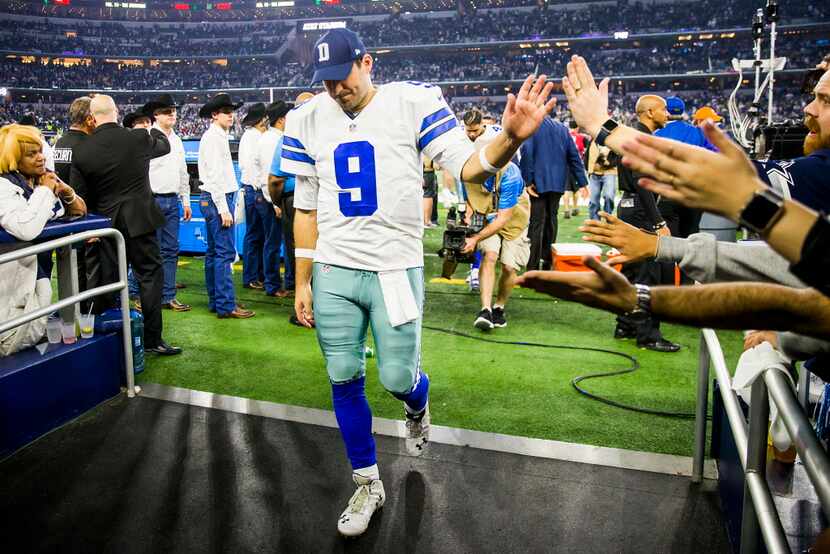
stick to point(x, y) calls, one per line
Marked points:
point(112, 167)
point(639, 208)
point(81, 125)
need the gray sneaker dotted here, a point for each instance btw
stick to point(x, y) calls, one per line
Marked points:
point(417, 432)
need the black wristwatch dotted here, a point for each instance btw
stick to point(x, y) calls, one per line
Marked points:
point(607, 128)
point(642, 311)
point(761, 213)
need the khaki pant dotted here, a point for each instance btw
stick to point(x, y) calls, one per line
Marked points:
point(512, 253)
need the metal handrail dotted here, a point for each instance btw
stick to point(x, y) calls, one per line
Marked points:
point(760, 516)
point(121, 285)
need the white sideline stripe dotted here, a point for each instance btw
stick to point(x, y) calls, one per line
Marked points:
point(541, 448)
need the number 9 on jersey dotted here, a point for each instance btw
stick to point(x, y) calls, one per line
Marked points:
point(354, 168)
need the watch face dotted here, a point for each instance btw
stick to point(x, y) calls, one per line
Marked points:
point(610, 125)
point(759, 212)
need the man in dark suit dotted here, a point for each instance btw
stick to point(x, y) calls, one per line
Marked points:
point(113, 165)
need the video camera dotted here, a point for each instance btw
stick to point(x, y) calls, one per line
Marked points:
point(457, 232)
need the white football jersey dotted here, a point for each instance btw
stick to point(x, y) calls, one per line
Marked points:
point(364, 175)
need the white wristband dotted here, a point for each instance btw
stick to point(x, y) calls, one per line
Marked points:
point(485, 164)
point(304, 253)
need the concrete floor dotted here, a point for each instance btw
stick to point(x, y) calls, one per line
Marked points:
point(147, 475)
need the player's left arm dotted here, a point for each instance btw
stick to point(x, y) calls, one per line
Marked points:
point(522, 116)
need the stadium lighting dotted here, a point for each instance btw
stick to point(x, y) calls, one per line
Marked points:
point(621, 35)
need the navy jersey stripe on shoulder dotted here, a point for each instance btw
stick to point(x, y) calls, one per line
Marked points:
point(297, 156)
point(292, 142)
point(435, 116)
point(437, 132)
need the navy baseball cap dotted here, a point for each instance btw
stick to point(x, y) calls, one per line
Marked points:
point(675, 106)
point(334, 54)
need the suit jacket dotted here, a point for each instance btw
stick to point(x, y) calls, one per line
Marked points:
point(549, 156)
point(112, 168)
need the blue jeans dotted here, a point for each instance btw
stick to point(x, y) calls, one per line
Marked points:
point(272, 233)
point(605, 187)
point(219, 256)
point(252, 269)
point(168, 238)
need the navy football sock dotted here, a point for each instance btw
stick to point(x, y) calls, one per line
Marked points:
point(354, 417)
point(416, 399)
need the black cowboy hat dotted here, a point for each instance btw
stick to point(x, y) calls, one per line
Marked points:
point(28, 119)
point(221, 100)
point(278, 109)
point(159, 103)
point(130, 118)
point(255, 114)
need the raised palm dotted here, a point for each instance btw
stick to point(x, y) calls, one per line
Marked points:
point(526, 110)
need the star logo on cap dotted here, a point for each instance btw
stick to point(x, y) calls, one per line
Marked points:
point(357, 50)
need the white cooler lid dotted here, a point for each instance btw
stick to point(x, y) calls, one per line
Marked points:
point(577, 249)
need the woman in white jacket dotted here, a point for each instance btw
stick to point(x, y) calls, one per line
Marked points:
point(29, 198)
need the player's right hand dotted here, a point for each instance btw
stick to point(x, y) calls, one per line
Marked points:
point(303, 305)
point(227, 220)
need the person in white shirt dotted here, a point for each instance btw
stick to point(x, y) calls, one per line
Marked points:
point(30, 197)
point(170, 182)
point(269, 209)
point(356, 154)
point(255, 273)
point(219, 187)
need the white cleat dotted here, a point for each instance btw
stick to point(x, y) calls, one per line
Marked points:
point(417, 432)
point(366, 500)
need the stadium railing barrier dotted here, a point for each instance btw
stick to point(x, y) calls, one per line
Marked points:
point(72, 299)
point(760, 519)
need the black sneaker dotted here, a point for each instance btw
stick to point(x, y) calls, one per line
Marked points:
point(484, 321)
point(498, 317)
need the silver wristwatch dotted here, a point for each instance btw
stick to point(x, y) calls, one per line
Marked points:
point(642, 310)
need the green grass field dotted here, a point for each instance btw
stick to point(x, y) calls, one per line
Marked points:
point(516, 390)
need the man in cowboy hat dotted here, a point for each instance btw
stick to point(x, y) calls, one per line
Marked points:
point(137, 120)
point(219, 186)
point(254, 275)
point(169, 181)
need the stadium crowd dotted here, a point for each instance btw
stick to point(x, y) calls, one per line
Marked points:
point(707, 13)
point(121, 39)
point(690, 58)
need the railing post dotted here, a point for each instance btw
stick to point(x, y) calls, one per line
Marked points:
point(756, 462)
point(67, 259)
point(125, 316)
point(701, 411)
point(804, 387)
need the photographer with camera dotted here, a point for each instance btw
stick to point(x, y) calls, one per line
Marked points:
point(505, 205)
point(602, 179)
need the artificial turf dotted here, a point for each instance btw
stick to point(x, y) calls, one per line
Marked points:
point(516, 390)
